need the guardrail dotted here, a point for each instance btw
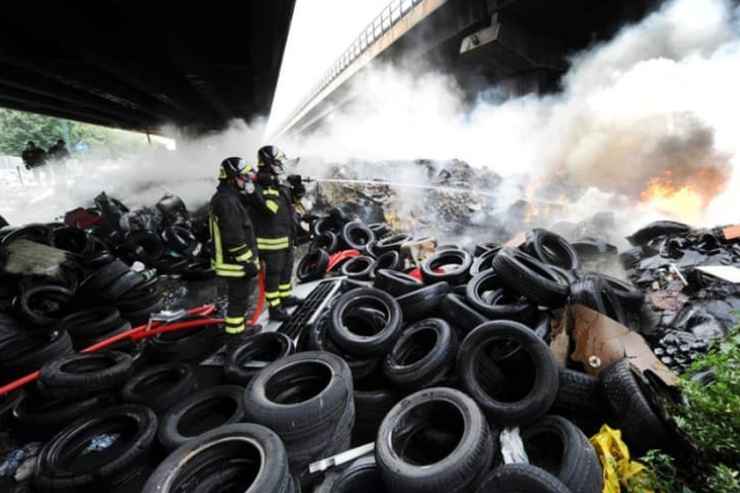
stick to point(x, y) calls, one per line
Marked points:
point(383, 22)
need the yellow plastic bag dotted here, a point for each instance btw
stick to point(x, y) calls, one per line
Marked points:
point(614, 455)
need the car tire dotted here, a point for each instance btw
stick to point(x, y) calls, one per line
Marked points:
point(422, 302)
point(460, 259)
point(395, 283)
point(201, 412)
point(523, 400)
point(359, 268)
point(552, 249)
point(500, 304)
point(362, 475)
point(516, 478)
point(530, 278)
point(456, 311)
point(87, 371)
point(357, 235)
point(265, 347)
point(160, 387)
point(313, 265)
point(434, 441)
point(190, 345)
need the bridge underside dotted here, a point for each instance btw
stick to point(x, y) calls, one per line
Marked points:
point(138, 65)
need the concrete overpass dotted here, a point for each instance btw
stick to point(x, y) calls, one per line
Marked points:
point(520, 45)
point(138, 64)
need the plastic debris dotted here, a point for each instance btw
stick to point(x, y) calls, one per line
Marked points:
point(512, 446)
point(101, 442)
point(614, 456)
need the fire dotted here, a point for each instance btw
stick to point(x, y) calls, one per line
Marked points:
point(686, 198)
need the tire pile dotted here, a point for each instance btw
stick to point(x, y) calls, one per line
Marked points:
point(432, 371)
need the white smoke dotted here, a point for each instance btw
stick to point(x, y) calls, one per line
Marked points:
point(660, 97)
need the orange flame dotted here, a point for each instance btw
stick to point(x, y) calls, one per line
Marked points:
point(683, 200)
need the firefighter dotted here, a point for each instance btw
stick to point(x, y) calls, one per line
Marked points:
point(276, 222)
point(235, 257)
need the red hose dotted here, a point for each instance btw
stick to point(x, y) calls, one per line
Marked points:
point(260, 299)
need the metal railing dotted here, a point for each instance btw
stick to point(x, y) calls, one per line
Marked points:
point(383, 22)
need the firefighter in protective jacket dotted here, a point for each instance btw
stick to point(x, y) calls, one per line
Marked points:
point(235, 257)
point(275, 221)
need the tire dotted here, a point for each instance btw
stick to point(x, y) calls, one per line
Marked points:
point(362, 475)
point(92, 322)
point(44, 305)
point(629, 295)
point(307, 400)
point(41, 351)
point(456, 311)
point(460, 259)
point(379, 229)
point(357, 235)
point(389, 260)
point(424, 355)
point(136, 424)
point(202, 412)
point(102, 278)
point(641, 427)
point(500, 304)
point(517, 478)
point(88, 371)
point(181, 240)
point(530, 369)
point(43, 417)
point(265, 347)
point(319, 340)
point(391, 243)
point(326, 241)
point(484, 262)
point(72, 240)
point(139, 299)
point(40, 233)
point(221, 459)
point(420, 303)
point(552, 249)
point(160, 387)
point(374, 396)
point(656, 229)
point(395, 283)
point(593, 292)
point(191, 345)
point(126, 283)
point(436, 440)
point(313, 266)
point(364, 337)
point(145, 246)
point(487, 246)
point(199, 271)
point(557, 446)
point(141, 316)
point(578, 394)
point(359, 268)
point(530, 278)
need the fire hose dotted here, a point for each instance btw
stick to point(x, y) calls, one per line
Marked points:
point(153, 328)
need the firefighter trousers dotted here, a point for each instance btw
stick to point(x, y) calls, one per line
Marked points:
point(278, 275)
point(238, 292)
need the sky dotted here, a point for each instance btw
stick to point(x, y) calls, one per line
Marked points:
point(321, 30)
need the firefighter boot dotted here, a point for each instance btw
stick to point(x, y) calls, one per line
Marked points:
point(278, 314)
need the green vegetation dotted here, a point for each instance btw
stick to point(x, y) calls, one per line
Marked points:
point(710, 420)
point(17, 128)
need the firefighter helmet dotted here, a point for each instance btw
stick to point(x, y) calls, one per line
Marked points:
point(233, 167)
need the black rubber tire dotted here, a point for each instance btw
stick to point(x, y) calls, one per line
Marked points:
point(313, 266)
point(92, 322)
point(213, 462)
point(629, 295)
point(362, 475)
point(418, 361)
point(460, 259)
point(57, 300)
point(578, 394)
point(191, 345)
point(306, 399)
point(141, 316)
point(593, 292)
point(391, 243)
point(641, 427)
point(530, 278)
point(484, 262)
point(357, 235)
point(518, 478)
point(374, 396)
point(126, 283)
point(103, 277)
point(160, 387)
point(319, 340)
point(139, 299)
point(484, 247)
point(51, 470)
point(266, 346)
point(326, 241)
point(407, 433)
point(88, 371)
point(42, 417)
point(39, 352)
point(656, 229)
point(379, 229)
point(501, 304)
point(145, 246)
point(377, 340)
point(422, 302)
point(552, 249)
point(203, 411)
point(358, 268)
point(395, 283)
point(72, 240)
point(457, 312)
point(560, 448)
point(181, 240)
point(517, 408)
point(389, 260)
point(199, 271)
